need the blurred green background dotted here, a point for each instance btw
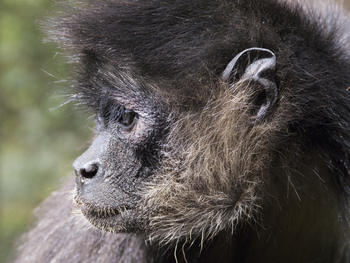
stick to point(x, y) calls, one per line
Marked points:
point(37, 145)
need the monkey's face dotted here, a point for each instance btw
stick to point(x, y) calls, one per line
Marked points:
point(112, 174)
point(161, 167)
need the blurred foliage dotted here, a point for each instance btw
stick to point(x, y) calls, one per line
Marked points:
point(37, 145)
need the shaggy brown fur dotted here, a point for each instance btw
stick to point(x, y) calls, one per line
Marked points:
point(183, 168)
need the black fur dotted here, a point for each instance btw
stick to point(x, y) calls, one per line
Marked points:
point(180, 187)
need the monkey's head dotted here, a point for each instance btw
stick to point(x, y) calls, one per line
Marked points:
point(191, 111)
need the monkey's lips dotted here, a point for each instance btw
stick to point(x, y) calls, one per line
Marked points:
point(103, 213)
point(107, 219)
point(91, 211)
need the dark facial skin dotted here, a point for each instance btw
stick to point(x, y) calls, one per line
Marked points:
point(111, 174)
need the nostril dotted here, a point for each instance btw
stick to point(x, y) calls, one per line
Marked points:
point(89, 171)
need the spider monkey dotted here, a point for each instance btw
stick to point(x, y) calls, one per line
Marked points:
point(222, 134)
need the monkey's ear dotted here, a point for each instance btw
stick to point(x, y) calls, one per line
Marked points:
point(255, 65)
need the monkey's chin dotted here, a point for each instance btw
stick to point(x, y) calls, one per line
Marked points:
point(118, 220)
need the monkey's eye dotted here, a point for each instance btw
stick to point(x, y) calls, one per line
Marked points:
point(127, 117)
point(112, 115)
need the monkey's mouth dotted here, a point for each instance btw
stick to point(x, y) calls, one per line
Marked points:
point(103, 213)
point(115, 220)
point(94, 212)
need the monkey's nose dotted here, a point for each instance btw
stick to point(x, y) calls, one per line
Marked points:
point(87, 170)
